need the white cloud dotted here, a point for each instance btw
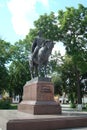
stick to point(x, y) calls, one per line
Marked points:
point(24, 14)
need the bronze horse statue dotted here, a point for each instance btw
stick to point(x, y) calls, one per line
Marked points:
point(39, 62)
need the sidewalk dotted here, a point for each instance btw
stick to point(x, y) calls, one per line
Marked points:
point(73, 111)
point(85, 128)
point(6, 115)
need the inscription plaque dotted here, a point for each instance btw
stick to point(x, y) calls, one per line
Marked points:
point(45, 89)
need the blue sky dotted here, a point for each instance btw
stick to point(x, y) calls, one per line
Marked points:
point(17, 16)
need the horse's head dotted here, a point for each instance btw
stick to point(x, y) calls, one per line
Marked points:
point(49, 45)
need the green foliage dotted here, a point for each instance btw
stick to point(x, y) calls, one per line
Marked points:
point(86, 106)
point(19, 68)
point(68, 78)
point(19, 74)
point(48, 25)
point(5, 104)
point(4, 78)
point(4, 60)
point(73, 31)
point(4, 52)
point(73, 105)
point(57, 84)
point(13, 106)
point(74, 36)
point(55, 62)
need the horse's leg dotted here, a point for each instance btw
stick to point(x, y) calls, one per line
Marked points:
point(31, 68)
point(39, 70)
point(31, 71)
point(45, 71)
point(35, 71)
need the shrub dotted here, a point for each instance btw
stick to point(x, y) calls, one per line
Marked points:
point(73, 105)
point(5, 104)
point(14, 106)
point(86, 106)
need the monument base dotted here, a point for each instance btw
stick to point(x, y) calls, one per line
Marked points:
point(38, 98)
point(67, 122)
point(39, 107)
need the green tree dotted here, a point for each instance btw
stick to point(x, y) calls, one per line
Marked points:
point(19, 68)
point(4, 60)
point(56, 79)
point(68, 78)
point(74, 36)
point(55, 62)
point(48, 25)
point(55, 73)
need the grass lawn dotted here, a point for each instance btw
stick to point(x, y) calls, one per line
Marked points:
point(14, 106)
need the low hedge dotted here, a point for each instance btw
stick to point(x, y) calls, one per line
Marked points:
point(5, 104)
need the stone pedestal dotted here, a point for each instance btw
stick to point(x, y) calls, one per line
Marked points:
point(38, 98)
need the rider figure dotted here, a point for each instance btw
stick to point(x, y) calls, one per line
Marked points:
point(37, 44)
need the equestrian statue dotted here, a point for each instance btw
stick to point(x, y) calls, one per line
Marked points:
point(41, 50)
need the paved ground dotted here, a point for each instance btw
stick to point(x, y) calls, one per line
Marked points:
point(6, 115)
point(76, 129)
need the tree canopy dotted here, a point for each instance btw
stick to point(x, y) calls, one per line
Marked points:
point(4, 59)
point(74, 36)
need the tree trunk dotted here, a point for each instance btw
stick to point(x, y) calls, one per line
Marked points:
point(79, 98)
